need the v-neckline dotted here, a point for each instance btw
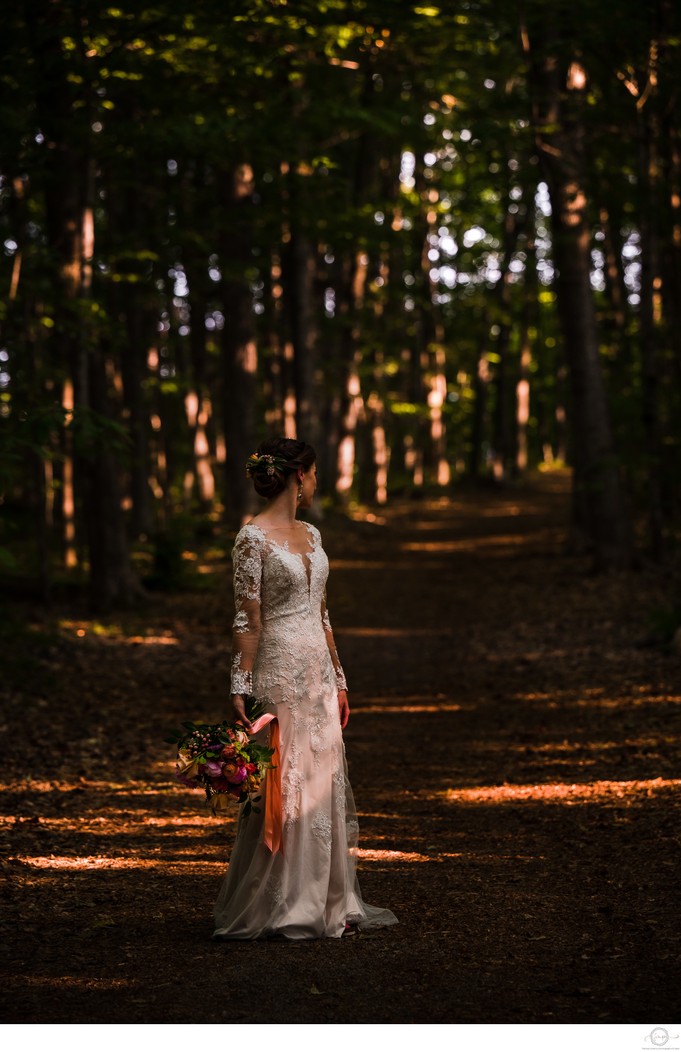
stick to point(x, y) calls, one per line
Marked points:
point(307, 567)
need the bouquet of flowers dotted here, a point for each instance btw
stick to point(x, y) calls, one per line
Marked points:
point(223, 760)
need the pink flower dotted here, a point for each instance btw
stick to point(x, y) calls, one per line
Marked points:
point(228, 752)
point(213, 768)
point(234, 774)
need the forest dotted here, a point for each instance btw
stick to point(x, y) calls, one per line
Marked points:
point(442, 243)
point(439, 240)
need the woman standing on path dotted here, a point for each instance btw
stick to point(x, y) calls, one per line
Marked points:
point(292, 869)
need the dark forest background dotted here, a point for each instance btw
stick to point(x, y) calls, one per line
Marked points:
point(440, 242)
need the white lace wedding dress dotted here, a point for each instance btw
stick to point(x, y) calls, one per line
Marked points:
point(284, 655)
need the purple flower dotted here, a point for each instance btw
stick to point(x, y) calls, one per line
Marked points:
point(213, 769)
point(235, 774)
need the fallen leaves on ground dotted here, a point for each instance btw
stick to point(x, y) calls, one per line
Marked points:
point(514, 753)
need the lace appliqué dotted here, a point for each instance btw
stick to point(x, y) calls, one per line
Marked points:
point(321, 828)
point(291, 790)
point(241, 622)
point(352, 831)
point(274, 890)
point(326, 621)
point(340, 678)
point(318, 725)
point(339, 783)
point(247, 558)
point(242, 680)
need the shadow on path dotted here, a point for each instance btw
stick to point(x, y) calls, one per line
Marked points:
point(514, 754)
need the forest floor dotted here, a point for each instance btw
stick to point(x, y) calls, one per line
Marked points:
point(514, 754)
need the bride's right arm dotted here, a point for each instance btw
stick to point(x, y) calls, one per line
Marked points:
point(247, 560)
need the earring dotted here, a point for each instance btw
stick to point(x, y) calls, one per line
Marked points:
point(300, 492)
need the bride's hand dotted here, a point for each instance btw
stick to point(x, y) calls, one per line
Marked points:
point(343, 708)
point(239, 711)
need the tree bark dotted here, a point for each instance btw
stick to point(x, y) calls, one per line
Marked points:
point(239, 349)
point(649, 178)
point(69, 193)
point(557, 86)
point(300, 285)
point(502, 439)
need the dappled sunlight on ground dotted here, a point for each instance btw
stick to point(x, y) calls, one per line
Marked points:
point(133, 787)
point(551, 792)
point(84, 982)
point(373, 855)
point(495, 541)
point(120, 862)
point(384, 707)
point(513, 751)
point(115, 634)
point(571, 748)
point(118, 821)
point(635, 697)
point(384, 633)
point(359, 564)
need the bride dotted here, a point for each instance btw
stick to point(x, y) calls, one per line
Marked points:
point(292, 869)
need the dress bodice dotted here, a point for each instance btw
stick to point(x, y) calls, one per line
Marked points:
point(280, 598)
point(293, 583)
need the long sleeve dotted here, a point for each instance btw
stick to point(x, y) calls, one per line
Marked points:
point(331, 643)
point(247, 561)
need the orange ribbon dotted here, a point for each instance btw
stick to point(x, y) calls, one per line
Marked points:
point(272, 836)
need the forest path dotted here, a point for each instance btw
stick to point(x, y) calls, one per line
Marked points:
point(514, 755)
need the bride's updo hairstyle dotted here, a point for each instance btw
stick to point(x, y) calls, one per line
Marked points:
point(274, 461)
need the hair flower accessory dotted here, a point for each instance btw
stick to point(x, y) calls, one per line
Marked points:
point(264, 464)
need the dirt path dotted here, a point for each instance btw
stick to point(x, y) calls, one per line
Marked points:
point(514, 754)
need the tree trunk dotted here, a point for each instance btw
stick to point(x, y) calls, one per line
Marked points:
point(133, 372)
point(529, 322)
point(481, 380)
point(557, 87)
point(69, 195)
point(239, 350)
point(649, 177)
point(350, 298)
point(501, 439)
point(300, 282)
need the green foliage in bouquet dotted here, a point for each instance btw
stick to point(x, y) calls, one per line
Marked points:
point(223, 759)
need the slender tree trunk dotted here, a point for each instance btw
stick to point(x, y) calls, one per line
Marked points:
point(133, 372)
point(69, 194)
point(672, 283)
point(481, 381)
point(670, 268)
point(350, 300)
point(239, 350)
point(615, 286)
point(502, 440)
point(558, 88)
point(529, 321)
point(301, 287)
point(62, 474)
point(649, 174)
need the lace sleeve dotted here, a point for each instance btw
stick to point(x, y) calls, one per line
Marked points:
point(331, 643)
point(247, 561)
